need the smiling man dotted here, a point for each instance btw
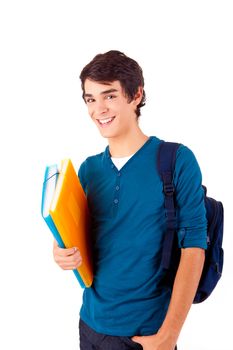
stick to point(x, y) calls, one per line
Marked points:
point(129, 306)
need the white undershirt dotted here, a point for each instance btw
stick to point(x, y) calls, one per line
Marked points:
point(120, 162)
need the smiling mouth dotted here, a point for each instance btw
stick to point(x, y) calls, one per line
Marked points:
point(105, 122)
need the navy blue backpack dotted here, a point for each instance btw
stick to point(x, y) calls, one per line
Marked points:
point(213, 265)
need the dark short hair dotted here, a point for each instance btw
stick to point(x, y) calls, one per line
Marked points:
point(115, 65)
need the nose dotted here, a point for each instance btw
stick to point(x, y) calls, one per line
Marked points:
point(100, 108)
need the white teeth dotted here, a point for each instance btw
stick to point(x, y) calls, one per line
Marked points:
point(105, 121)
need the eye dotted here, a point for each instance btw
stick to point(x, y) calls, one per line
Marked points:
point(110, 97)
point(89, 100)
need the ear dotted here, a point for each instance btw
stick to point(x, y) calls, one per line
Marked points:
point(138, 96)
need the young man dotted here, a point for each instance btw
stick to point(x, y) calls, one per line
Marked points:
point(128, 305)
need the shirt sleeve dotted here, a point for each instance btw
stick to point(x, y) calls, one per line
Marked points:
point(191, 212)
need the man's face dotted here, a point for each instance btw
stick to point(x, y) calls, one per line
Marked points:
point(109, 108)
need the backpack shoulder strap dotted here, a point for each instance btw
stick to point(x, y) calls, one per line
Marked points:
point(166, 159)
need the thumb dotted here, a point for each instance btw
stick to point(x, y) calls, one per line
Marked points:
point(136, 339)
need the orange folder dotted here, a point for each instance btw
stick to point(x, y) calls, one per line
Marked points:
point(69, 211)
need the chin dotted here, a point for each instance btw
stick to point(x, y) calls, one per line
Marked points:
point(107, 134)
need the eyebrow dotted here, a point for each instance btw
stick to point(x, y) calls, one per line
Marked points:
point(102, 92)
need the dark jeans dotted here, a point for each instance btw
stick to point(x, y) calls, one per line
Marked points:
point(90, 340)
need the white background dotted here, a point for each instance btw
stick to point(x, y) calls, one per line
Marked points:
point(185, 50)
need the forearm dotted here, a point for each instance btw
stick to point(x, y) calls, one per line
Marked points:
point(184, 289)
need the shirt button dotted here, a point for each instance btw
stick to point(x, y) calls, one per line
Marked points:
point(115, 201)
point(117, 188)
point(119, 174)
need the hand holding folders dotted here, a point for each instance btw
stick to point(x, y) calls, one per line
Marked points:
point(65, 210)
point(68, 258)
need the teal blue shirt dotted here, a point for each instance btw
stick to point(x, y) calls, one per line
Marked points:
point(128, 225)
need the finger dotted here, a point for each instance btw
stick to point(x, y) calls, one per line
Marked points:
point(73, 259)
point(66, 251)
point(71, 265)
point(69, 251)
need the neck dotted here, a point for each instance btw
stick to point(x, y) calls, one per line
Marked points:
point(127, 144)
